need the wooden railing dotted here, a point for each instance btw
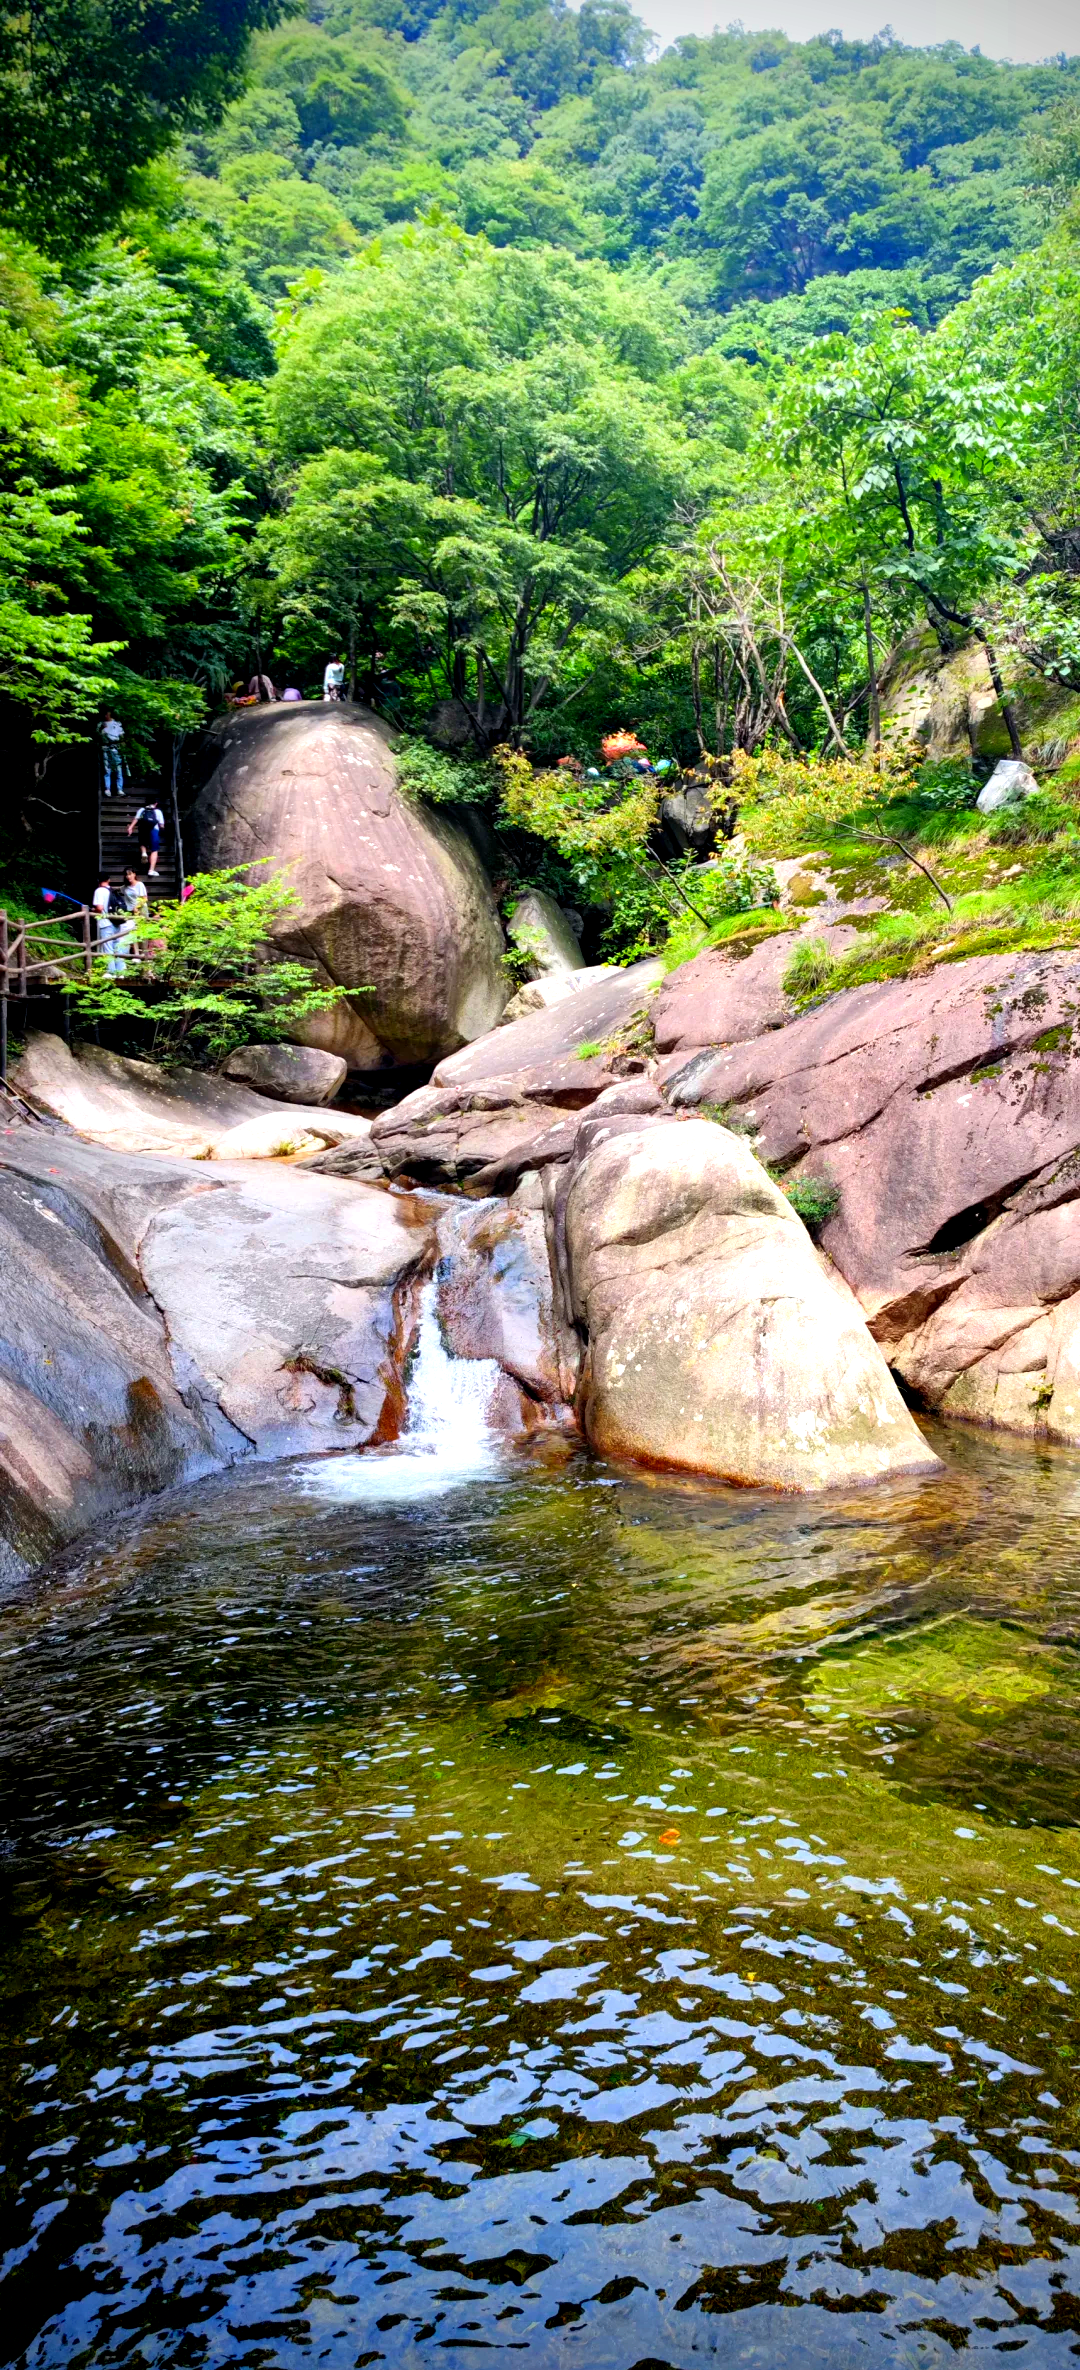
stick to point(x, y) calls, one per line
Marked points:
point(36, 957)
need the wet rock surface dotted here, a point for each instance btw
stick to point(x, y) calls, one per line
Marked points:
point(161, 1319)
point(394, 903)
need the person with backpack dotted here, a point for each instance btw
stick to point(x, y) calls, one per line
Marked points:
point(111, 733)
point(149, 822)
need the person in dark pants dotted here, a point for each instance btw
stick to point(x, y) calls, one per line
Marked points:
point(149, 822)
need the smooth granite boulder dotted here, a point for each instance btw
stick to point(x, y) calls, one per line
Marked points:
point(288, 1073)
point(718, 1342)
point(134, 1106)
point(393, 902)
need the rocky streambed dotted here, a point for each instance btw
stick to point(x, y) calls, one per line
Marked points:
point(194, 1276)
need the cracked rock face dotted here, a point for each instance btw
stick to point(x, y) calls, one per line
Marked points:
point(394, 904)
point(718, 1341)
point(947, 1112)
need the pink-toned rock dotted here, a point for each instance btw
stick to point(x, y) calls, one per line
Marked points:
point(511, 1101)
point(394, 904)
point(946, 1110)
point(724, 998)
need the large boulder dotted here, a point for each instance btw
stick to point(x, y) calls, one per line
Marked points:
point(394, 904)
point(288, 1073)
point(718, 1342)
point(135, 1106)
point(726, 995)
point(510, 1102)
point(946, 1113)
point(162, 1318)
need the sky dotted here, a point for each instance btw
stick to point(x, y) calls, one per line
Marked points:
point(1018, 29)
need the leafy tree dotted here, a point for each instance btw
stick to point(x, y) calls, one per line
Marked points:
point(200, 980)
point(92, 89)
point(915, 456)
point(530, 468)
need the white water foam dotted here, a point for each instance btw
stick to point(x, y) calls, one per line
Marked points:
point(447, 1437)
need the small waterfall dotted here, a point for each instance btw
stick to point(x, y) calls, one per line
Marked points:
point(449, 1397)
point(447, 1438)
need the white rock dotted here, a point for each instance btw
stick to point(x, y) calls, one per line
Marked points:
point(1009, 784)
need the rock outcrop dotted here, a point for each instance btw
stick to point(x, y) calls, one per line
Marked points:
point(394, 904)
point(135, 1106)
point(946, 1110)
point(538, 928)
point(718, 1342)
point(161, 1319)
point(725, 998)
point(1009, 785)
point(510, 1102)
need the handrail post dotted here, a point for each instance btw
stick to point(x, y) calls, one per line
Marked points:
point(87, 948)
point(20, 945)
point(3, 999)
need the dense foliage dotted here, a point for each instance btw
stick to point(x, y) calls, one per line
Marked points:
point(556, 387)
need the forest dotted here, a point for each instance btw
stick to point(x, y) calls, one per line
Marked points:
point(560, 386)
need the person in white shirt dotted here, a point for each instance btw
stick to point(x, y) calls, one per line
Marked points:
point(111, 733)
point(333, 679)
point(106, 927)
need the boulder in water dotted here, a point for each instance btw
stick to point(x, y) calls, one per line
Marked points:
point(394, 904)
point(718, 1341)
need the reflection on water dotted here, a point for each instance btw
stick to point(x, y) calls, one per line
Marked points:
point(568, 1917)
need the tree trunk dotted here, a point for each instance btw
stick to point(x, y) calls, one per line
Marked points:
point(1005, 704)
point(352, 658)
point(871, 666)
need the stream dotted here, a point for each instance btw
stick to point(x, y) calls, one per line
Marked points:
point(474, 1904)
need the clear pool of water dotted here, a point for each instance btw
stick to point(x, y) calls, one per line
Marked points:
point(547, 1916)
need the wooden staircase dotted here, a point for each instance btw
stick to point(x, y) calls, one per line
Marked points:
point(116, 851)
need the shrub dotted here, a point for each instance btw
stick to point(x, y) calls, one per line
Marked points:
point(814, 1200)
point(809, 971)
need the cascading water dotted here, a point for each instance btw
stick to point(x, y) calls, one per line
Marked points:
point(449, 1398)
point(447, 1436)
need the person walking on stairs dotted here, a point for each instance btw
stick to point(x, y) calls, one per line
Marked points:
point(149, 822)
point(107, 931)
point(111, 733)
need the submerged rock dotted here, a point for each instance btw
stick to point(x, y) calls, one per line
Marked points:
point(394, 903)
point(717, 1340)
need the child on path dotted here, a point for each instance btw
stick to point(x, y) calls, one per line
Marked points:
point(111, 733)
